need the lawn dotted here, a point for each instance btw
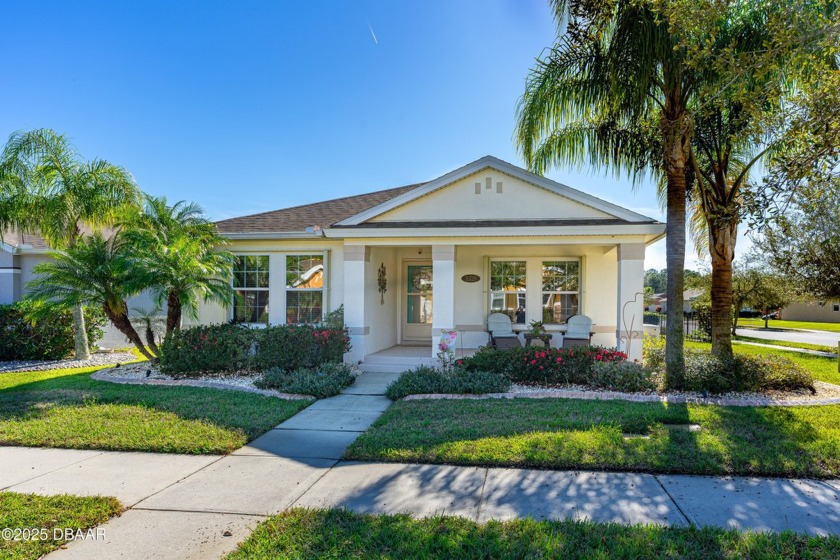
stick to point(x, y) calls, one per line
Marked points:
point(782, 324)
point(53, 514)
point(608, 435)
point(304, 534)
point(66, 408)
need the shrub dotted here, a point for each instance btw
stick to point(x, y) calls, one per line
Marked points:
point(324, 381)
point(744, 373)
point(653, 351)
point(43, 339)
point(227, 347)
point(544, 366)
point(291, 347)
point(426, 379)
point(207, 348)
point(628, 377)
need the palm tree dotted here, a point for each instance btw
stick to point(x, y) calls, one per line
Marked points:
point(178, 257)
point(93, 271)
point(615, 89)
point(47, 188)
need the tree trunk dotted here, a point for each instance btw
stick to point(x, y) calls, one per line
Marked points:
point(722, 237)
point(150, 341)
point(121, 321)
point(675, 257)
point(80, 334)
point(173, 312)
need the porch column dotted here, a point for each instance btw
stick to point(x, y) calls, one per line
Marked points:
point(356, 264)
point(630, 312)
point(443, 302)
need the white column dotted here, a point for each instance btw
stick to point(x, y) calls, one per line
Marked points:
point(356, 263)
point(443, 291)
point(277, 289)
point(630, 311)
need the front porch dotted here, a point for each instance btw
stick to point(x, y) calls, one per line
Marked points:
point(398, 298)
point(401, 358)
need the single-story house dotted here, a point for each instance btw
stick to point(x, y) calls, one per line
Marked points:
point(825, 311)
point(660, 301)
point(409, 262)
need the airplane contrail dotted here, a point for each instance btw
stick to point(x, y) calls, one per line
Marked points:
point(372, 34)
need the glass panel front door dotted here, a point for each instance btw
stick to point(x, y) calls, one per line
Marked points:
point(417, 306)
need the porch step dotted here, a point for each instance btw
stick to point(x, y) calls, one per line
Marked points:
point(377, 366)
point(385, 360)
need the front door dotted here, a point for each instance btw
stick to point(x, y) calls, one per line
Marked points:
point(417, 303)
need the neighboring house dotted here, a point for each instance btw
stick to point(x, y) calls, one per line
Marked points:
point(660, 302)
point(816, 311)
point(20, 253)
point(411, 261)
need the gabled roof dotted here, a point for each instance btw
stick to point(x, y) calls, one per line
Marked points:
point(354, 212)
point(298, 218)
point(509, 169)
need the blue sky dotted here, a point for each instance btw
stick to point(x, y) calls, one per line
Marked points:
point(250, 106)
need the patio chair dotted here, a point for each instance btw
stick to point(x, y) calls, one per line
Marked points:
point(501, 332)
point(578, 331)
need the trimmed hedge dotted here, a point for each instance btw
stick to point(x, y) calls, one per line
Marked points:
point(427, 379)
point(322, 382)
point(43, 339)
point(543, 366)
point(231, 348)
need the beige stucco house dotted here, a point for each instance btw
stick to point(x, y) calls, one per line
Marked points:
point(409, 262)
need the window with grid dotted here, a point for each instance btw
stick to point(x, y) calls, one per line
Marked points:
point(250, 289)
point(507, 289)
point(304, 288)
point(560, 290)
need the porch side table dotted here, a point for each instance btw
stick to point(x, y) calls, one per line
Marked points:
point(545, 337)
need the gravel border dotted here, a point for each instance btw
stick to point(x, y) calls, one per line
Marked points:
point(101, 376)
point(750, 400)
point(97, 359)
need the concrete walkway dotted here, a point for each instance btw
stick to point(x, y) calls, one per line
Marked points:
point(203, 506)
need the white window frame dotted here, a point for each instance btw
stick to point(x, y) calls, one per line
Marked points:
point(267, 289)
point(533, 286)
point(493, 294)
point(324, 289)
point(577, 292)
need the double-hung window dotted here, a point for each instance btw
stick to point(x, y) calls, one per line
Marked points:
point(560, 290)
point(304, 288)
point(250, 289)
point(507, 289)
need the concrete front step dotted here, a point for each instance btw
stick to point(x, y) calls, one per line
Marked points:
point(384, 368)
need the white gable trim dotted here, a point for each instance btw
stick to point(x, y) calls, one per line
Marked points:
point(504, 167)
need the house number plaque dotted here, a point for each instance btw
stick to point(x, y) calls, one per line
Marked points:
point(470, 278)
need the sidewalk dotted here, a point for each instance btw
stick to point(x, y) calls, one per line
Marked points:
point(203, 506)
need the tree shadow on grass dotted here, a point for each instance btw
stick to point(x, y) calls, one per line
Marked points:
point(244, 415)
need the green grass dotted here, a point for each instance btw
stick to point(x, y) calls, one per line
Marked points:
point(787, 344)
point(305, 534)
point(571, 434)
point(823, 369)
point(30, 511)
point(66, 408)
point(782, 324)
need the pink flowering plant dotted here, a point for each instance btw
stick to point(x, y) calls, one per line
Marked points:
point(446, 348)
point(544, 366)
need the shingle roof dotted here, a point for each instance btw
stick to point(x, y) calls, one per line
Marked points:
point(298, 218)
point(16, 239)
